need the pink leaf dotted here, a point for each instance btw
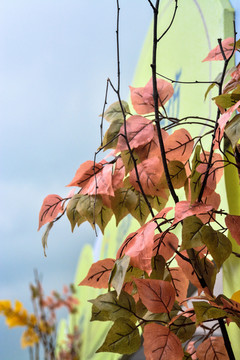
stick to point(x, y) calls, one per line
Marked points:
point(233, 224)
point(161, 344)
point(139, 132)
point(184, 209)
point(216, 54)
point(142, 97)
point(51, 207)
point(139, 246)
point(164, 245)
point(226, 116)
point(179, 146)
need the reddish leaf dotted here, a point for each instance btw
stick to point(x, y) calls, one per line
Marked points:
point(85, 173)
point(214, 200)
point(226, 116)
point(212, 349)
point(139, 246)
point(216, 53)
point(151, 148)
point(233, 224)
point(179, 146)
point(98, 274)
point(184, 209)
point(142, 97)
point(139, 132)
point(162, 214)
point(157, 295)
point(215, 172)
point(188, 270)
point(164, 244)
point(180, 283)
point(161, 344)
point(149, 172)
point(100, 183)
point(51, 207)
point(118, 175)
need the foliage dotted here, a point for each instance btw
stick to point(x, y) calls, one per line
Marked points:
point(178, 244)
point(40, 326)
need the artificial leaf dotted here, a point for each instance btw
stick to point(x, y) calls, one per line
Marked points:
point(45, 237)
point(195, 178)
point(141, 211)
point(98, 274)
point(149, 175)
point(103, 217)
point(122, 338)
point(231, 306)
point(157, 295)
point(72, 214)
point(164, 244)
point(115, 111)
point(204, 312)
point(161, 344)
point(216, 53)
point(139, 131)
point(51, 207)
point(232, 130)
point(179, 146)
point(100, 183)
point(183, 327)
point(226, 100)
point(85, 172)
point(118, 273)
point(124, 201)
point(177, 174)
point(142, 97)
point(114, 306)
point(218, 244)
point(89, 207)
point(129, 159)
point(214, 200)
point(226, 116)
point(179, 282)
point(139, 247)
point(183, 209)
point(212, 349)
point(191, 237)
point(110, 139)
point(233, 224)
point(158, 264)
point(118, 174)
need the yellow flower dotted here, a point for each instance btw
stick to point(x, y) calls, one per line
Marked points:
point(236, 296)
point(29, 338)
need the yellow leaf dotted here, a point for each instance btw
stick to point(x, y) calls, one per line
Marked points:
point(236, 296)
point(5, 305)
point(29, 338)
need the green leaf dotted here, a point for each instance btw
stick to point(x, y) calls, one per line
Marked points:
point(177, 174)
point(195, 178)
point(204, 311)
point(191, 233)
point(45, 236)
point(124, 201)
point(141, 210)
point(103, 217)
point(72, 214)
point(158, 267)
point(113, 306)
point(183, 327)
point(89, 206)
point(128, 161)
point(110, 138)
point(114, 112)
point(227, 100)
point(218, 244)
point(122, 338)
point(232, 130)
point(118, 273)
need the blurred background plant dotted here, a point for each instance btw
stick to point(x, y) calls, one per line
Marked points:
point(40, 327)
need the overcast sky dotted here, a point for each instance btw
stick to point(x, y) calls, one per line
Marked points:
point(55, 57)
